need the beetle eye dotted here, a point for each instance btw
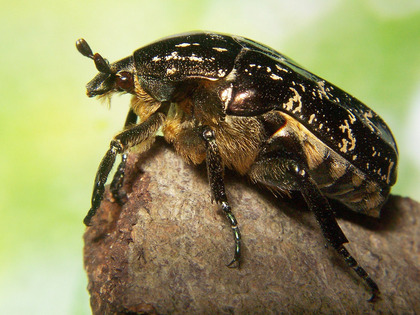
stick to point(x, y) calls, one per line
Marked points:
point(125, 80)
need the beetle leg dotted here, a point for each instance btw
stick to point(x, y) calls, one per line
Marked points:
point(330, 228)
point(217, 186)
point(277, 171)
point(131, 119)
point(118, 179)
point(121, 143)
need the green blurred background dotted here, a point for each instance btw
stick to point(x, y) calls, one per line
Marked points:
point(53, 136)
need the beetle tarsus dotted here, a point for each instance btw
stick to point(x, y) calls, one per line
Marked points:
point(236, 234)
point(101, 176)
point(88, 218)
point(352, 263)
point(118, 180)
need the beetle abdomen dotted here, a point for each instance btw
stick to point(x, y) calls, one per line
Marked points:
point(340, 180)
point(336, 177)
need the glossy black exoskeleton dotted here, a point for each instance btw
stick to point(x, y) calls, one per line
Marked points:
point(232, 102)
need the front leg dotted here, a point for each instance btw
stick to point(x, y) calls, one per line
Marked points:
point(120, 144)
point(217, 186)
point(118, 179)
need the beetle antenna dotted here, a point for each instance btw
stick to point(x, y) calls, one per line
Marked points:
point(101, 63)
point(84, 48)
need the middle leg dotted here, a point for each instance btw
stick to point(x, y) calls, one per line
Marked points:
point(217, 185)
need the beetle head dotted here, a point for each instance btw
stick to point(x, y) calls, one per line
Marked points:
point(114, 77)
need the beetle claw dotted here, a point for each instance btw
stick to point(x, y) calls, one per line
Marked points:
point(235, 263)
point(375, 296)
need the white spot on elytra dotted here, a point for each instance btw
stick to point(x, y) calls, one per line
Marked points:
point(275, 77)
point(291, 102)
point(345, 128)
point(170, 71)
point(322, 93)
point(281, 68)
point(183, 45)
point(221, 73)
point(220, 49)
point(366, 116)
point(173, 55)
point(311, 118)
point(352, 118)
point(193, 57)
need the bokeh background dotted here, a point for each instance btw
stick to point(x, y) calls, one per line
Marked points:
point(52, 136)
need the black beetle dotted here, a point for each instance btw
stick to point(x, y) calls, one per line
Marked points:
point(235, 103)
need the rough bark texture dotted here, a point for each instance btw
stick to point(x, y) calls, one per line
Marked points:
point(166, 248)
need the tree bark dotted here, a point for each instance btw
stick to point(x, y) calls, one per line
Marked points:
point(165, 249)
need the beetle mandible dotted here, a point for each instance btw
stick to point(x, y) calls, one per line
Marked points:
point(231, 102)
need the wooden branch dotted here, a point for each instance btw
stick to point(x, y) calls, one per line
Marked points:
point(165, 250)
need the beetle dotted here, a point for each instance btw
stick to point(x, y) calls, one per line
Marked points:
point(231, 102)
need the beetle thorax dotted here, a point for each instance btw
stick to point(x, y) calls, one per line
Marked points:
point(142, 103)
point(238, 138)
